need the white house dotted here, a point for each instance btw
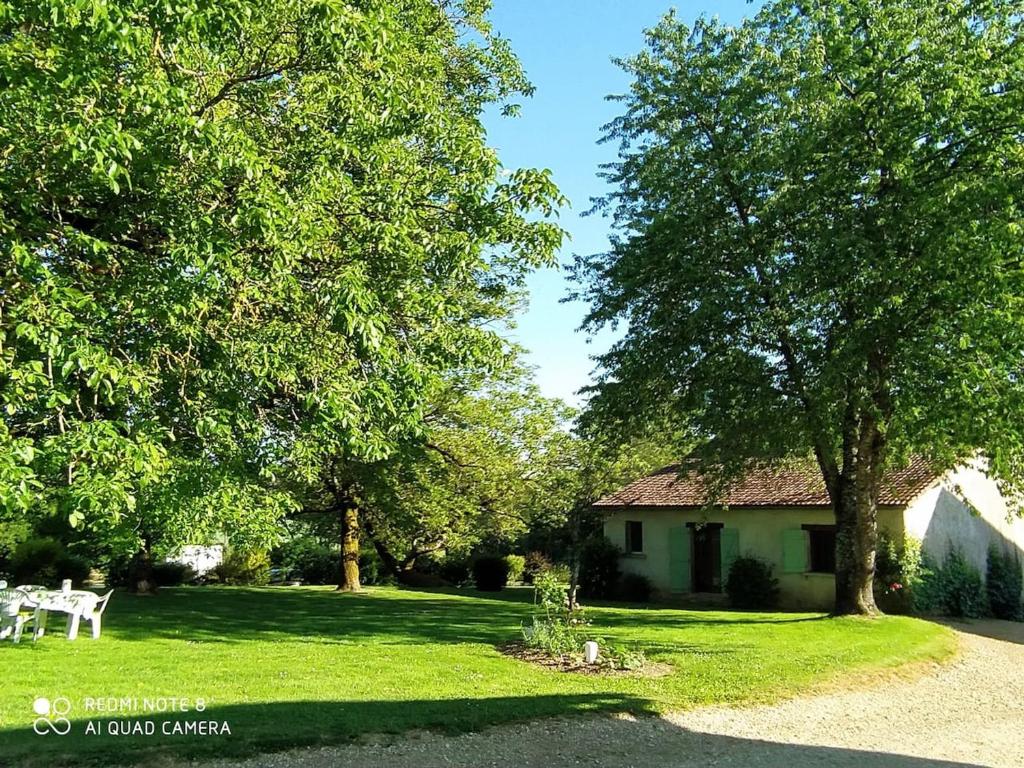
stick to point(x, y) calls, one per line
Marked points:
point(782, 514)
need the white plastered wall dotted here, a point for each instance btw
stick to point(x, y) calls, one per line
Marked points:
point(964, 510)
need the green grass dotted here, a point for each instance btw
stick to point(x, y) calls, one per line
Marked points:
point(293, 666)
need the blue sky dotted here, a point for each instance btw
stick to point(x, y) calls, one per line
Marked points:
point(566, 47)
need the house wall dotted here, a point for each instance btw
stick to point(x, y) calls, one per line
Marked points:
point(966, 511)
point(202, 559)
point(760, 535)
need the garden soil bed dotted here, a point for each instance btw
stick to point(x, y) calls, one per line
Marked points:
point(567, 664)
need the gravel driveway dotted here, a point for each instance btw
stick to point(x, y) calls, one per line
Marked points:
point(970, 712)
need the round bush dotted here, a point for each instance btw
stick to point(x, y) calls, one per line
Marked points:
point(243, 568)
point(44, 561)
point(172, 574)
point(454, 570)
point(490, 573)
point(516, 567)
point(635, 588)
point(599, 569)
point(750, 584)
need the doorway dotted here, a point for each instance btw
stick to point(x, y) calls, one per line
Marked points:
point(707, 558)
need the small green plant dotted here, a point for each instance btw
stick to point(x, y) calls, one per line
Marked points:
point(555, 629)
point(622, 657)
point(1003, 584)
point(751, 584)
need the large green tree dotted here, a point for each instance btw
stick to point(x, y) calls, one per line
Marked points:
point(480, 473)
point(250, 235)
point(819, 244)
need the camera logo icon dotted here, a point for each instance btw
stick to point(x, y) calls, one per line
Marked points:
point(51, 716)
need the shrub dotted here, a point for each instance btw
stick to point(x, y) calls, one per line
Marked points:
point(1003, 584)
point(622, 657)
point(44, 561)
point(751, 584)
point(244, 568)
point(955, 588)
point(635, 588)
point(172, 574)
point(516, 567)
point(490, 573)
point(898, 573)
point(307, 560)
point(599, 569)
point(454, 570)
point(555, 629)
point(559, 573)
point(534, 563)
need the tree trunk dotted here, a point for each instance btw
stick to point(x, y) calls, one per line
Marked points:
point(391, 565)
point(856, 512)
point(349, 571)
point(140, 570)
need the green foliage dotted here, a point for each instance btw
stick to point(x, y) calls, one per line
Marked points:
point(249, 238)
point(474, 479)
point(535, 563)
point(172, 574)
point(306, 559)
point(46, 562)
point(555, 629)
point(954, 588)
point(516, 567)
point(816, 241)
point(622, 657)
point(751, 584)
point(635, 588)
point(1003, 583)
point(599, 568)
point(371, 570)
point(899, 570)
point(490, 573)
point(244, 568)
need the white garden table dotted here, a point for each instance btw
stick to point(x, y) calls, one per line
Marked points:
point(75, 603)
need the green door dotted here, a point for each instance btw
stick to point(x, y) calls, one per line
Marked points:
point(794, 551)
point(679, 558)
point(730, 543)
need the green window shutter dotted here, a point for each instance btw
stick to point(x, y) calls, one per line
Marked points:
point(794, 551)
point(679, 558)
point(729, 542)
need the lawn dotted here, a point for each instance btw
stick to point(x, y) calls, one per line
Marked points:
point(293, 666)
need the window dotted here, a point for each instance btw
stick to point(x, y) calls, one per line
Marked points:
point(634, 536)
point(821, 546)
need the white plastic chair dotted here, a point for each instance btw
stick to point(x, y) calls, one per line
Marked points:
point(12, 618)
point(95, 615)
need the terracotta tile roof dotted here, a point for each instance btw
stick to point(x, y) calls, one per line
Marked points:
point(763, 486)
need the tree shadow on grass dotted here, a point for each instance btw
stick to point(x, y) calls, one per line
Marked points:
point(275, 726)
point(142, 737)
point(386, 617)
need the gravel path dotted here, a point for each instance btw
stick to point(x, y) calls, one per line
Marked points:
point(970, 712)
